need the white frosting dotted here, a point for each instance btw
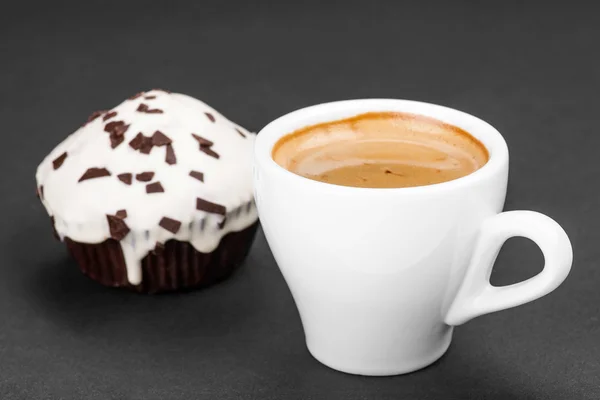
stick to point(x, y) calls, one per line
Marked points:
point(80, 208)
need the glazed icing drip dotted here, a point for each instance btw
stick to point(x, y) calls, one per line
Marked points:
point(133, 260)
point(162, 176)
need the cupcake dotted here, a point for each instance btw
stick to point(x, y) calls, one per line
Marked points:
point(153, 195)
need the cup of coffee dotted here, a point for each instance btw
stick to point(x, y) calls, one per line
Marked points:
point(385, 218)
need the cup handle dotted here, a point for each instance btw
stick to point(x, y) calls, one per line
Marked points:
point(476, 296)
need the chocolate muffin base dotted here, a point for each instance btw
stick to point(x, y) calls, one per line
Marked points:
point(178, 266)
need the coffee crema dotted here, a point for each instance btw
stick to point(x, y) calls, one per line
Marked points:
point(381, 150)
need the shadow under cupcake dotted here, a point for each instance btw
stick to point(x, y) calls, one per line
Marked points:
point(153, 195)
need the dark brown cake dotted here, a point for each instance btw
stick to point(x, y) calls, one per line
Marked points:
point(175, 266)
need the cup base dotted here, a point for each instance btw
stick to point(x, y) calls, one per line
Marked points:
point(403, 367)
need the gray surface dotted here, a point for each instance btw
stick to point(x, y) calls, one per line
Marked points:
point(533, 72)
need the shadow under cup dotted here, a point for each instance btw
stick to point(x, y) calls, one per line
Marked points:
point(380, 276)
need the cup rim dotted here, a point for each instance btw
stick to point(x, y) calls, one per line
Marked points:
point(336, 110)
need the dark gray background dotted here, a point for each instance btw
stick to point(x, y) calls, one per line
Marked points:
point(533, 71)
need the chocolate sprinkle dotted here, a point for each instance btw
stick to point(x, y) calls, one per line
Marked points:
point(125, 178)
point(203, 142)
point(205, 205)
point(198, 175)
point(141, 143)
point(145, 176)
point(59, 160)
point(240, 132)
point(145, 109)
point(205, 146)
point(121, 214)
point(209, 151)
point(160, 139)
point(222, 223)
point(136, 142)
point(146, 147)
point(117, 128)
point(135, 96)
point(155, 187)
point(172, 225)
point(109, 115)
point(40, 192)
point(93, 173)
point(117, 227)
point(149, 97)
point(159, 248)
point(170, 157)
point(210, 116)
point(95, 115)
point(116, 140)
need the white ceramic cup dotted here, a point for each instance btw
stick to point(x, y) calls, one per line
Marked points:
point(381, 276)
